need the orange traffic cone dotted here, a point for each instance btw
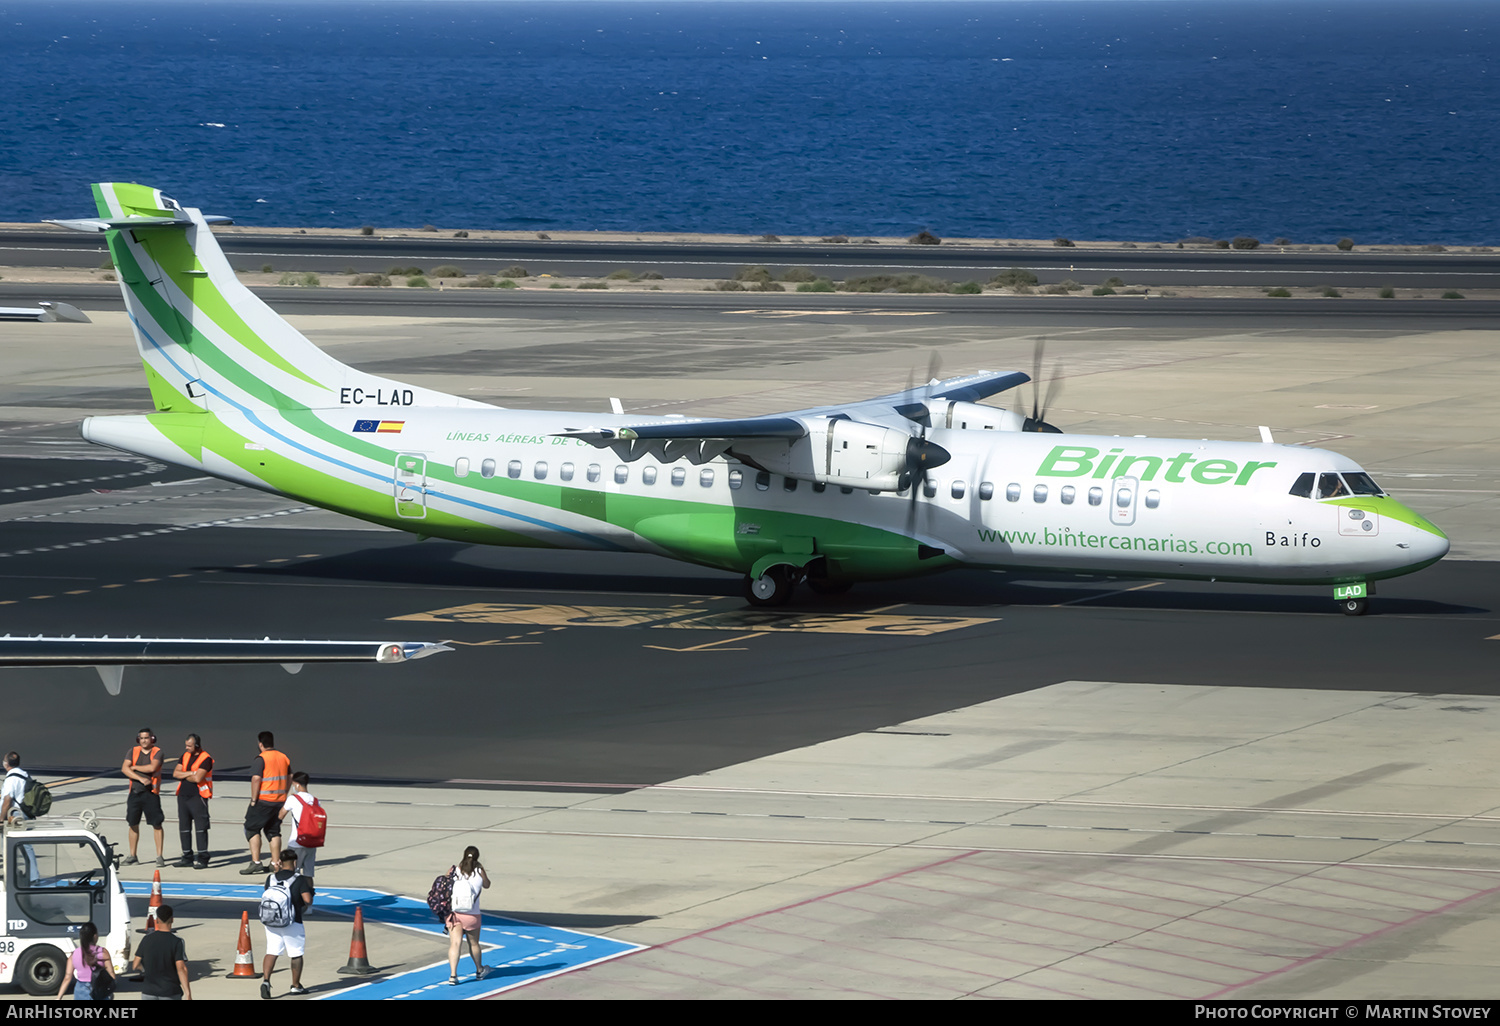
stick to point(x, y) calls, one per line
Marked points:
point(244, 958)
point(359, 963)
point(154, 903)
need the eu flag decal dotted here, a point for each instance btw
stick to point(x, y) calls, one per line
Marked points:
point(370, 426)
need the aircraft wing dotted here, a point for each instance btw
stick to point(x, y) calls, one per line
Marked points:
point(908, 404)
point(110, 655)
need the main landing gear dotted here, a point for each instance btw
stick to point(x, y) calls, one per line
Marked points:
point(775, 586)
point(771, 588)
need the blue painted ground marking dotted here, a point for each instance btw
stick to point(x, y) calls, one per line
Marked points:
point(516, 952)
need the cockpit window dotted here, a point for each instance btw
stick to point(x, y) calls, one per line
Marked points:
point(1362, 484)
point(1331, 486)
point(1302, 488)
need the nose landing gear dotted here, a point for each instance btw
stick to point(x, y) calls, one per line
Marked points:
point(1353, 599)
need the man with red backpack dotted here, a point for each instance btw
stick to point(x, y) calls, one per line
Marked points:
point(309, 824)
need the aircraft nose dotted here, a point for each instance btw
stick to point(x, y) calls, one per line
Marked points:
point(1426, 541)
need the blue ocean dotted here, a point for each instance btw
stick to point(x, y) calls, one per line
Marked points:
point(1127, 119)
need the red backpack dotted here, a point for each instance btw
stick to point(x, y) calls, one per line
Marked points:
point(312, 823)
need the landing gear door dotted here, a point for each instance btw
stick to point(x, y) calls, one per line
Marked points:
point(54, 885)
point(1122, 500)
point(411, 486)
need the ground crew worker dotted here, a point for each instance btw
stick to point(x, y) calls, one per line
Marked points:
point(143, 768)
point(270, 779)
point(195, 786)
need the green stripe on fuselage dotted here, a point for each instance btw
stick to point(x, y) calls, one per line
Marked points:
point(1388, 507)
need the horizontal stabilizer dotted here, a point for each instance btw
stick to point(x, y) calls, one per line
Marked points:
point(95, 224)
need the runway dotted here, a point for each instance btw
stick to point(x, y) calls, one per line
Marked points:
point(1150, 264)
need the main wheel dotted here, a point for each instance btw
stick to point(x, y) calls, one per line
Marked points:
point(1355, 606)
point(771, 588)
point(40, 970)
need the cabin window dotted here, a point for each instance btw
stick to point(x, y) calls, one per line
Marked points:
point(540, 470)
point(986, 490)
point(648, 475)
point(1302, 487)
point(1013, 492)
point(487, 468)
point(1123, 496)
point(1096, 496)
point(762, 481)
point(706, 477)
point(461, 467)
point(957, 491)
point(565, 471)
point(1331, 486)
point(1153, 499)
point(1067, 494)
point(622, 474)
point(736, 478)
point(1039, 493)
point(513, 468)
point(679, 475)
point(594, 471)
point(929, 487)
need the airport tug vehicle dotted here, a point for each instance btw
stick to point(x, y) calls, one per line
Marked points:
point(58, 874)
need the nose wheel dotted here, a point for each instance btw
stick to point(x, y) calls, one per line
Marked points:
point(1354, 606)
point(772, 588)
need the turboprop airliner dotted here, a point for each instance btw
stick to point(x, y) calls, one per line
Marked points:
point(918, 481)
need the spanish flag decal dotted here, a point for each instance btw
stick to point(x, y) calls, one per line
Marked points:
point(383, 427)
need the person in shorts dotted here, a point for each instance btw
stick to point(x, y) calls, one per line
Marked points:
point(270, 779)
point(143, 768)
point(299, 800)
point(469, 878)
point(292, 939)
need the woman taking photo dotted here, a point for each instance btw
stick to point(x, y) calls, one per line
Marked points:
point(469, 879)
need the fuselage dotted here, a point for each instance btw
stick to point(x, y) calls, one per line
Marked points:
point(1091, 504)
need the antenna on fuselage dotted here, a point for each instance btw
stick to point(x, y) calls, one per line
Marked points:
point(615, 407)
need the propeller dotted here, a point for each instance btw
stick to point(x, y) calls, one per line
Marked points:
point(921, 454)
point(1037, 421)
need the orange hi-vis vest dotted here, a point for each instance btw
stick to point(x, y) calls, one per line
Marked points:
point(276, 778)
point(206, 788)
point(135, 763)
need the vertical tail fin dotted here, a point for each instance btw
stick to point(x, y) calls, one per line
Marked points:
point(208, 342)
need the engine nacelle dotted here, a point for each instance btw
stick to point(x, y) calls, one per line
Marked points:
point(845, 453)
point(973, 416)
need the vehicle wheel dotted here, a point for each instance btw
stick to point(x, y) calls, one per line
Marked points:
point(40, 970)
point(826, 587)
point(771, 588)
point(1354, 607)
